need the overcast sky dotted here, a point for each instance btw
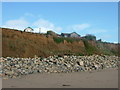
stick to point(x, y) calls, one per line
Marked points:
point(97, 18)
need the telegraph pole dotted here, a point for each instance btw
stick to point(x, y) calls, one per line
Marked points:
point(39, 30)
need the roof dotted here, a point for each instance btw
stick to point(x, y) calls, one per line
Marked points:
point(66, 33)
point(75, 33)
point(29, 28)
point(69, 33)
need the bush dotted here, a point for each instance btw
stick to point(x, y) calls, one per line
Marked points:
point(51, 33)
point(90, 37)
point(80, 54)
point(58, 40)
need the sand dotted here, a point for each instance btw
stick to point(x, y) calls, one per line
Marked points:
point(97, 79)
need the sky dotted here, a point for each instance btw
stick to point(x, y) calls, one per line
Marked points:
point(96, 18)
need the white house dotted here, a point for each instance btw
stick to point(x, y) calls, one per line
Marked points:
point(28, 29)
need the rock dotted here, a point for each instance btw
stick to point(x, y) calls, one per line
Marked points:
point(15, 67)
point(68, 65)
point(81, 63)
point(65, 56)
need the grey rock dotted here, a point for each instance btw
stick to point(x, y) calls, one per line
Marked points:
point(15, 67)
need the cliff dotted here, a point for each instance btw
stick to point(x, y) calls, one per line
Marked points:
point(17, 43)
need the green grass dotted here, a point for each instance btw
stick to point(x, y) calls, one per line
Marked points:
point(89, 48)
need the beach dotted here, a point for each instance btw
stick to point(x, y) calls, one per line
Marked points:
point(107, 78)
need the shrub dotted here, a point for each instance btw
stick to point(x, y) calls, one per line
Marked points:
point(90, 37)
point(51, 33)
point(58, 40)
point(80, 54)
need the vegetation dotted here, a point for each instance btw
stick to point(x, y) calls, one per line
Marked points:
point(51, 33)
point(89, 48)
point(107, 48)
point(90, 37)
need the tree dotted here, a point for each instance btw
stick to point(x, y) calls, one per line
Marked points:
point(90, 37)
point(51, 33)
point(100, 40)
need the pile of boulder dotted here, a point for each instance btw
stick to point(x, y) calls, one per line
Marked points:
point(15, 67)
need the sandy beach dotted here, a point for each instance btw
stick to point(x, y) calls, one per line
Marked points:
point(96, 79)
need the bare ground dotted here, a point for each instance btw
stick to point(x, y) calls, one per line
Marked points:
point(98, 79)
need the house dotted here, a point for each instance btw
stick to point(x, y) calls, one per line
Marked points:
point(65, 34)
point(73, 34)
point(28, 29)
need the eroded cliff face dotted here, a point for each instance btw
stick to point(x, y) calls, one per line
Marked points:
point(23, 44)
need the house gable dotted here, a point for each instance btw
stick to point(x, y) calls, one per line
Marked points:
point(28, 29)
point(74, 34)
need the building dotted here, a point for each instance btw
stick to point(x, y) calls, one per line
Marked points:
point(28, 29)
point(73, 34)
point(65, 34)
